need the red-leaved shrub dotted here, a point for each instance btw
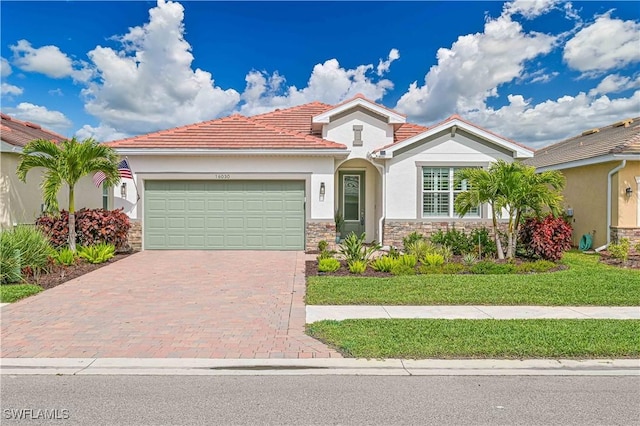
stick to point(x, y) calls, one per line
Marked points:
point(93, 226)
point(547, 239)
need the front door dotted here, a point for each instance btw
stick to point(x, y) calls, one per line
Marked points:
point(351, 202)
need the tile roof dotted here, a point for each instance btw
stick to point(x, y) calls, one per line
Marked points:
point(233, 132)
point(19, 133)
point(613, 139)
point(297, 118)
point(407, 130)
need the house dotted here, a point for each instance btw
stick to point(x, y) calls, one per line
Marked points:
point(602, 170)
point(276, 180)
point(22, 202)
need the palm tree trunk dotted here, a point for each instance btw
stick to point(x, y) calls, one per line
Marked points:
point(72, 220)
point(496, 235)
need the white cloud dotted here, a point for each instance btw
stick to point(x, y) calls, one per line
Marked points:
point(476, 65)
point(40, 115)
point(48, 60)
point(615, 83)
point(383, 66)
point(101, 133)
point(10, 89)
point(604, 45)
point(530, 8)
point(329, 83)
point(5, 68)
point(554, 120)
point(149, 84)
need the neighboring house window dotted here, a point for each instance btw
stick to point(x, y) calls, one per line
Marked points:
point(439, 193)
point(105, 197)
point(357, 135)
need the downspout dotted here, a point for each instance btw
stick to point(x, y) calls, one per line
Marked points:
point(383, 171)
point(609, 176)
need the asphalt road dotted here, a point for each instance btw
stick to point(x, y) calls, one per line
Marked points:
point(323, 400)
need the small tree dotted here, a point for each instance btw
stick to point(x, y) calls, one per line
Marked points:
point(512, 187)
point(66, 163)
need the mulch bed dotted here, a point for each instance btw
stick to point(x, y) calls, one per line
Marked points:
point(58, 274)
point(312, 270)
point(633, 262)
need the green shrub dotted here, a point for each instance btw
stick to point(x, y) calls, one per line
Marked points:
point(357, 267)
point(353, 248)
point(394, 253)
point(323, 245)
point(434, 259)
point(411, 238)
point(469, 259)
point(65, 256)
point(535, 267)
point(486, 267)
point(620, 250)
point(483, 244)
point(98, 253)
point(418, 248)
point(328, 265)
point(454, 239)
point(400, 269)
point(23, 248)
point(383, 263)
point(445, 252)
point(408, 260)
point(325, 254)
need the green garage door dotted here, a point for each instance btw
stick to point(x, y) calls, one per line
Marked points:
point(263, 215)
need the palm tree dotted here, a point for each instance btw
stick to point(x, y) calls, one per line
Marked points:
point(514, 188)
point(66, 163)
point(482, 188)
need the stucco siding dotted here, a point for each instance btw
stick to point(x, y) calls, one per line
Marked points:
point(403, 172)
point(21, 202)
point(375, 133)
point(627, 206)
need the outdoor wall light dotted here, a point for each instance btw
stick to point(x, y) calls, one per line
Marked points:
point(628, 191)
point(322, 190)
point(123, 190)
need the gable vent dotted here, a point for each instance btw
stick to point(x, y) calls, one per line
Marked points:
point(624, 123)
point(590, 132)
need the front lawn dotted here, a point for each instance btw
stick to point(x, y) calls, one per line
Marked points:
point(10, 293)
point(424, 338)
point(585, 282)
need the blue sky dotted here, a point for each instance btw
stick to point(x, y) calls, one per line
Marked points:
point(534, 71)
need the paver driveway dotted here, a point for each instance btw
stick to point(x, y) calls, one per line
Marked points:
point(166, 304)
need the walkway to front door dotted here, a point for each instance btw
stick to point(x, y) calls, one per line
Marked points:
point(170, 304)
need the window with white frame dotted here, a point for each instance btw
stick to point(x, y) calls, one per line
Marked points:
point(439, 192)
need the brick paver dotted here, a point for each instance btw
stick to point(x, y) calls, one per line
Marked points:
point(170, 304)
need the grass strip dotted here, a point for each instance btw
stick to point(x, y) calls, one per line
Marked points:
point(585, 282)
point(10, 293)
point(425, 338)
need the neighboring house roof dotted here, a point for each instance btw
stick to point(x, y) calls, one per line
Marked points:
point(602, 144)
point(19, 133)
point(233, 132)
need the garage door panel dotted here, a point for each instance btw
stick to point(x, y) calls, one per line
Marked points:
point(224, 215)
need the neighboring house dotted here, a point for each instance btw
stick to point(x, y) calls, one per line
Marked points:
point(22, 202)
point(275, 180)
point(602, 169)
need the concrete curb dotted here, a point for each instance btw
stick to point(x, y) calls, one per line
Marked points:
point(298, 367)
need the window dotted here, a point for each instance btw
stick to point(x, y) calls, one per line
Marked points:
point(439, 192)
point(105, 197)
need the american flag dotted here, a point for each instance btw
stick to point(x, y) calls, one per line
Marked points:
point(123, 169)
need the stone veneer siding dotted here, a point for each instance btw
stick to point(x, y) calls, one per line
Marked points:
point(396, 230)
point(135, 235)
point(318, 231)
point(633, 234)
